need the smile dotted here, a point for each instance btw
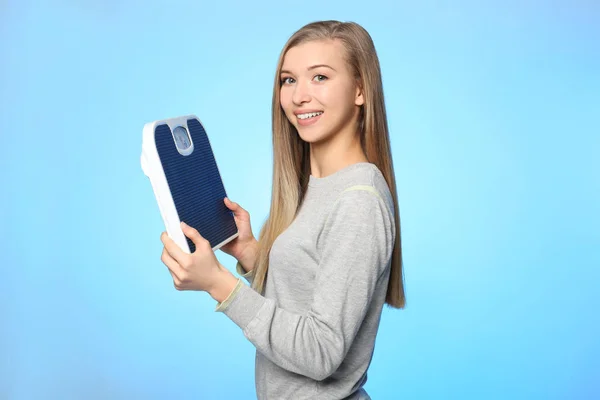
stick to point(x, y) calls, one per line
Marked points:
point(309, 118)
point(309, 115)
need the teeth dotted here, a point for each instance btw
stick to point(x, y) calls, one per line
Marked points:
point(309, 115)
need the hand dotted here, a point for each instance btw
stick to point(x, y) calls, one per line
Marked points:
point(243, 247)
point(197, 271)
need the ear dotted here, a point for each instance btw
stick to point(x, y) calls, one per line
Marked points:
point(359, 98)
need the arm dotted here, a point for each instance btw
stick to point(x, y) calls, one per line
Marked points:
point(246, 263)
point(357, 243)
point(246, 275)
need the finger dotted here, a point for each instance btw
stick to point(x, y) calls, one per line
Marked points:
point(177, 283)
point(174, 250)
point(230, 204)
point(173, 267)
point(195, 236)
point(235, 207)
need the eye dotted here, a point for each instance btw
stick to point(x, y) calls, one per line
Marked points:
point(286, 80)
point(320, 78)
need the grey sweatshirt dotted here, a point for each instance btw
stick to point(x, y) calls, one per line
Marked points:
point(315, 327)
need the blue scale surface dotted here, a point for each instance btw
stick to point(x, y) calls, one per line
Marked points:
point(195, 184)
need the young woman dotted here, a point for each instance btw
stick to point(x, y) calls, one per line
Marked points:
point(329, 255)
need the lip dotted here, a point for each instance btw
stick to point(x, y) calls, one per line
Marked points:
point(296, 113)
point(309, 121)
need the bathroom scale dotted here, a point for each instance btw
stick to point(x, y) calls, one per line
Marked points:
point(179, 161)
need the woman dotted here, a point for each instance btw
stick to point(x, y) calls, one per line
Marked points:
point(329, 255)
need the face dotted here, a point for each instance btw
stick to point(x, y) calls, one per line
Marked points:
point(319, 94)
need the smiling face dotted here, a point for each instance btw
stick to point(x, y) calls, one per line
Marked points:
point(319, 93)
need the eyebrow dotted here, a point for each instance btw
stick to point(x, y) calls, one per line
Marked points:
point(283, 71)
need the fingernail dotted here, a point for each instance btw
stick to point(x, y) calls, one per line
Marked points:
point(183, 223)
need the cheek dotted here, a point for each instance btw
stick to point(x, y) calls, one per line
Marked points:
point(345, 100)
point(334, 96)
point(286, 101)
point(325, 95)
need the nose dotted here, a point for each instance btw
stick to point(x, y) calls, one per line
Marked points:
point(301, 93)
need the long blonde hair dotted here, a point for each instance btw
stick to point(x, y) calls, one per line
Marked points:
point(291, 165)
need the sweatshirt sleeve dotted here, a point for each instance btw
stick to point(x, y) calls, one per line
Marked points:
point(356, 245)
point(246, 275)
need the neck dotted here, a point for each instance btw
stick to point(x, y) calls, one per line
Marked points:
point(338, 152)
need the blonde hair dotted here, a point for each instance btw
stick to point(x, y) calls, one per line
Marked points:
point(291, 166)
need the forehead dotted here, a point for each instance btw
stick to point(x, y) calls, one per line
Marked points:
point(302, 56)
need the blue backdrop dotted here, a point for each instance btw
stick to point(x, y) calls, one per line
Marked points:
point(494, 112)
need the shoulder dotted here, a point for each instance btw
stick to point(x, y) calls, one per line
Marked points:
point(365, 198)
point(367, 185)
point(361, 217)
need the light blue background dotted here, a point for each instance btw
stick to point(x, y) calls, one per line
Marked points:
point(494, 112)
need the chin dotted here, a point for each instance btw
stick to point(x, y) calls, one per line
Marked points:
point(312, 138)
point(313, 133)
